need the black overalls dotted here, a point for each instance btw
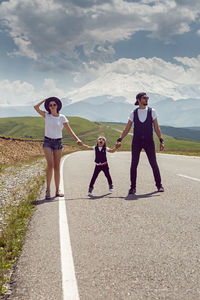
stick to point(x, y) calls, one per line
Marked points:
point(143, 139)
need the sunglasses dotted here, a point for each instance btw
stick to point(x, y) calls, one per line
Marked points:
point(52, 105)
point(145, 97)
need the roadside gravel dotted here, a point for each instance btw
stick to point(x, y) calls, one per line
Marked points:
point(15, 184)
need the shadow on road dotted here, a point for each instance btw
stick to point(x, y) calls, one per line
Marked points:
point(141, 196)
point(128, 197)
point(42, 201)
point(90, 197)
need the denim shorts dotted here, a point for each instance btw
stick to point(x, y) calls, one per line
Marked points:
point(54, 144)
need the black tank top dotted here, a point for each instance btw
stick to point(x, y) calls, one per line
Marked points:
point(143, 131)
point(100, 156)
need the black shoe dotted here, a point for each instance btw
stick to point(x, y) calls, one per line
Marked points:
point(132, 191)
point(161, 189)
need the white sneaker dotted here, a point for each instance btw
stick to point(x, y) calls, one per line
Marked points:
point(111, 188)
point(90, 191)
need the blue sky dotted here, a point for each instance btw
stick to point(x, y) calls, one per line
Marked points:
point(86, 48)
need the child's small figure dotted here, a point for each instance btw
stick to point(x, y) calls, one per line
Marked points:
point(101, 162)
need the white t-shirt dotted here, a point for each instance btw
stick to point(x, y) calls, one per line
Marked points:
point(142, 115)
point(100, 148)
point(54, 125)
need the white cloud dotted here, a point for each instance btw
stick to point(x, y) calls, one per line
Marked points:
point(24, 48)
point(123, 77)
point(56, 28)
point(24, 93)
point(189, 61)
point(126, 77)
point(51, 89)
point(16, 92)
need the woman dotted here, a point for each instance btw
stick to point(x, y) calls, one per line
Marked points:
point(52, 145)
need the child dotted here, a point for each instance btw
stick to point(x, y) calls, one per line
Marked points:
point(101, 162)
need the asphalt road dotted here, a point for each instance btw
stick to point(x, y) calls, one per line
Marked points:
point(145, 246)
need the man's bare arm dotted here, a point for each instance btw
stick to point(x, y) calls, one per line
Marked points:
point(159, 134)
point(124, 133)
point(126, 129)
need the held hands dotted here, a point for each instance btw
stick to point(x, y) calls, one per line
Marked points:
point(119, 142)
point(118, 145)
point(79, 142)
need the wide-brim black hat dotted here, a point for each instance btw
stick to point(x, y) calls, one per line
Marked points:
point(48, 100)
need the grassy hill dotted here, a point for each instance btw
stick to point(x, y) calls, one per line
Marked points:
point(189, 133)
point(192, 133)
point(172, 144)
point(88, 132)
point(33, 128)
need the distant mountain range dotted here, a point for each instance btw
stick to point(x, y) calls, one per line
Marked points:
point(180, 113)
point(191, 133)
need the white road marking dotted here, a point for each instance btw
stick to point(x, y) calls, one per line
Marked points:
point(69, 284)
point(188, 177)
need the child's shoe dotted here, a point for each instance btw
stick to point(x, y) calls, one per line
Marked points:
point(161, 189)
point(111, 188)
point(90, 191)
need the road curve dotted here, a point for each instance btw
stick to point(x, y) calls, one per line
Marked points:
point(140, 247)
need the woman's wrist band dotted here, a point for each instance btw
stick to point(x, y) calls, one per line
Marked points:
point(162, 141)
point(119, 140)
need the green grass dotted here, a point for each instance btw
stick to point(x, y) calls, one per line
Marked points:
point(2, 167)
point(12, 236)
point(33, 128)
point(13, 232)
point(88, 132)
point(172, 144)
point(22, 127)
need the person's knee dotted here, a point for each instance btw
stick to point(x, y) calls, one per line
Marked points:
point(56, 167)
point(50, 165)
point(153, 163)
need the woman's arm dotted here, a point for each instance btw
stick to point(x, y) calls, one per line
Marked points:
point(70, 131)
point(87, 147)
point(40, 112)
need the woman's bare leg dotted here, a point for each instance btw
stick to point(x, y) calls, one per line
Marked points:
point(49, 157)
point(57, 157)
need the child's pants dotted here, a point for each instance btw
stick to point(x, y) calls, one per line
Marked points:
point(97, 170)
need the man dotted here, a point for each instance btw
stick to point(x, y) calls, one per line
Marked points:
point(144, 118)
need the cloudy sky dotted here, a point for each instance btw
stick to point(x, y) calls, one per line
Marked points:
point(86, 48)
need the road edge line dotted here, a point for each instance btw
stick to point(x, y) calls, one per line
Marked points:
point(69, 283)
